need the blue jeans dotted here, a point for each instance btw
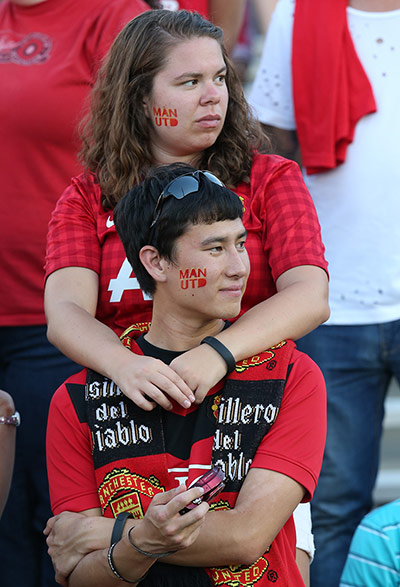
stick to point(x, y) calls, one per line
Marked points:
point(358, 363)
point(31, 369)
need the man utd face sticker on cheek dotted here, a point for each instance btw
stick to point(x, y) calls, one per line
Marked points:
point(165, 116)
point(193, 278)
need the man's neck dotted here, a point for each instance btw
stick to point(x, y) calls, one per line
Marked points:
point(375, 5)
point(175, 333)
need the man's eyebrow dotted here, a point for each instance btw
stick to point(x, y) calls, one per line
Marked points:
point(190, 74)
point(222, 239)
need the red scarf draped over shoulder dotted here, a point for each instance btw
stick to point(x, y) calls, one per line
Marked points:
point(330, 88)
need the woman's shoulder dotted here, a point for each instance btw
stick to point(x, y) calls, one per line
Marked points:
point(271, 174)
point(84, 185)
point(81, 197)
point(86, 180)
point(270, 164)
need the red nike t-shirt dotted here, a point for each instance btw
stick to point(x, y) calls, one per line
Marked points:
point(49, 55)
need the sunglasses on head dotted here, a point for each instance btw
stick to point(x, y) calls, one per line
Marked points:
point(182, 186)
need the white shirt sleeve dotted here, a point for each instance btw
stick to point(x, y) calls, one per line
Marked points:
point(271, 93)
point(304, 535)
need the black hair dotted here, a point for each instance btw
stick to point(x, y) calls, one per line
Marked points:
point(134, 214)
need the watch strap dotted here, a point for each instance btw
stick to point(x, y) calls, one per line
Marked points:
point(119, 526)
point(222, 350)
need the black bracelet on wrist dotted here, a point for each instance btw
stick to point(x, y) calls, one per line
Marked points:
point(149, 554)
point(222, 350)
point(114, 570)
point(119, 526)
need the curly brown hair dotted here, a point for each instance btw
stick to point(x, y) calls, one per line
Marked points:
point(115, 134)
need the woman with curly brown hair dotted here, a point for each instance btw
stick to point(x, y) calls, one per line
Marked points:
point(168, 93)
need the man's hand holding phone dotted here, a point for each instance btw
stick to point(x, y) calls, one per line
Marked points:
point(163, 529)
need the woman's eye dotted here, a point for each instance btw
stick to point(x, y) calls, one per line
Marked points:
point(241, 246)
point(221, 78)
point(190, 82)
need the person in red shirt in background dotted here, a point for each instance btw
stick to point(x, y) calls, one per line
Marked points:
point(50, 51)
point(227, 15)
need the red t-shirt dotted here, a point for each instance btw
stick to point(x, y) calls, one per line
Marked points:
point(293, 446)
point(282, 224)
point(49, 54)
point(201, 6)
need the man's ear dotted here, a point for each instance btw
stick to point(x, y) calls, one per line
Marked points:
point(153, 263)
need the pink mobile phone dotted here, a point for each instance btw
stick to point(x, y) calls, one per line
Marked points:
point(213, 482)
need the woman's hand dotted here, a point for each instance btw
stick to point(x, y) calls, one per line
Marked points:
point(70, 300)
point(163, 528)
point(201, 368)
point(70, 536)
point(148, 381)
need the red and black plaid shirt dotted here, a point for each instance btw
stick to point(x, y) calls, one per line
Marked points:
point(282, 224)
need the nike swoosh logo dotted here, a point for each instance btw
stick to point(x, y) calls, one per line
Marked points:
point(109, 222)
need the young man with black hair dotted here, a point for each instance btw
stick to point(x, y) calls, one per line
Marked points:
point(264, 424)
